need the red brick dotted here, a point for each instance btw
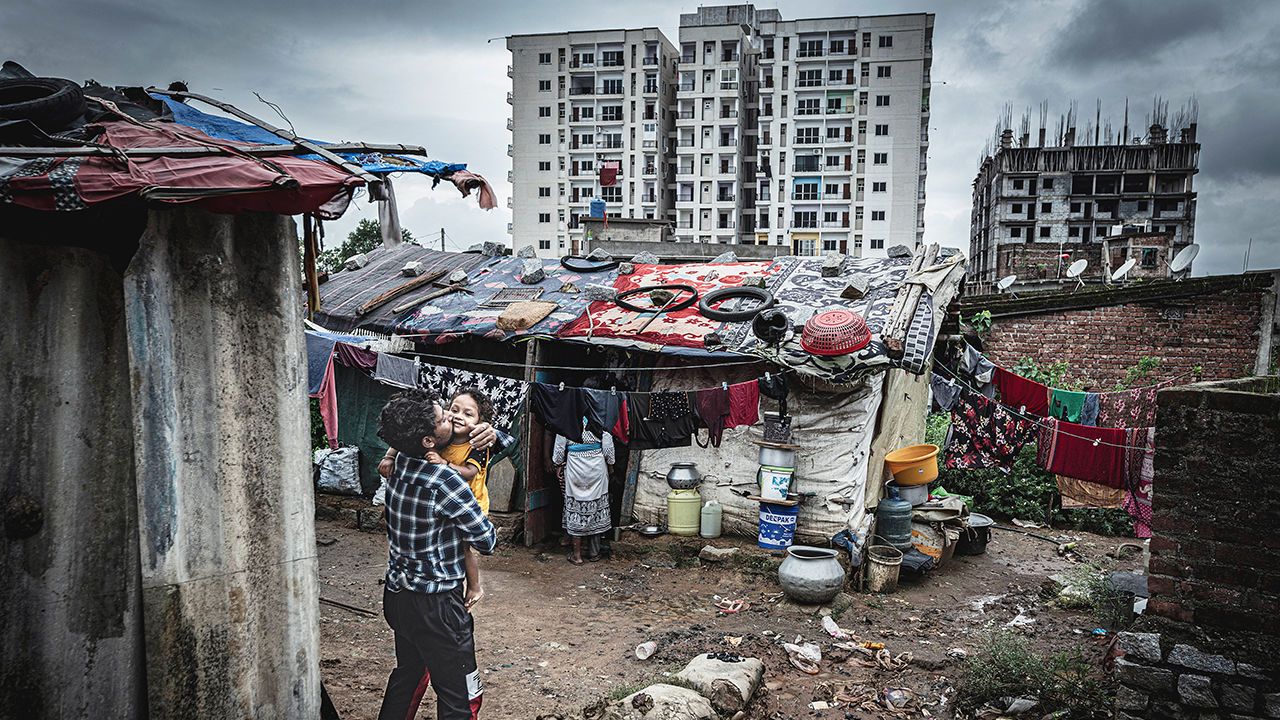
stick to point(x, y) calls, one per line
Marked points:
point(1169, 609)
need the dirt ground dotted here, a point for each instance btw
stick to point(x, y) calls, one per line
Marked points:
point(552, 638)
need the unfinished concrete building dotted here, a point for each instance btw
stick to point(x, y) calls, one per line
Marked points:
point(1038, 207)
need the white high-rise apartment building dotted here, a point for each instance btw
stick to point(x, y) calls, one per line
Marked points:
point(810, 133)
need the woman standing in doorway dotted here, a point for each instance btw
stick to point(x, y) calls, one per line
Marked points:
point(586, 490)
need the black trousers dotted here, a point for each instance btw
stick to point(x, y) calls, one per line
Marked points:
point(434, 639)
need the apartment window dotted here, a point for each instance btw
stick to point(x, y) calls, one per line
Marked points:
point(882, 101)
point(1142, 206)
point(588, 58)
point(882, 130)
point(866, 40)
point(1016, 208)
point(544, 244)
point(884, 71)
point(809, 78)
point(611, 87)
point(544, 192)
point(1015, 232)
point(880, 159)
point(806, 136)
point(862, 99)
point(831, 189)
point(587, 113)
point(865, 72)
point(544, 111)
point(877, 215)
point(544, 217)
point(806, 191)
point(805, 219)
point(544, 59)
point(1075, 207)
point(879, 187)
point(835, 76)
point(1044, 232)
point(830, 218)
point(544, 139)
point(833, 133)
point(809, 106)
point(1017, 184)
point(809, 48)
point(886, 41)
point(1073, 232)
point(612, 113)
point(833, 161)
point(877, 243)
point(544, 165)
point(1046, 207)
point(1149, 256)
point(837, 47)
point(1047, 183)
point(806, 163)
point(544, 86)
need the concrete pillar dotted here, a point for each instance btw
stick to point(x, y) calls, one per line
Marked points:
point(225, 513)
point(70, 619)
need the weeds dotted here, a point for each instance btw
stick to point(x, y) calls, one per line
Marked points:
point(1004, 666)
point(1112, 609)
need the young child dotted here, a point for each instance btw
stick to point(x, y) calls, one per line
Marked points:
point(469, 408)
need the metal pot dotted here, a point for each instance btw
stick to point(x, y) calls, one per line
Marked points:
point(811, 575)
point(777, 457)
point(683, 476)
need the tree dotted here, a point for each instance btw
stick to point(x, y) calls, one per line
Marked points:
point(366, 236)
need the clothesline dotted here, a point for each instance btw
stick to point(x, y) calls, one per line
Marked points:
point(1033, 418)
point(522, 366)
point(1166, 381)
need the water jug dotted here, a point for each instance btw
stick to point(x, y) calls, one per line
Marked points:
point(893, 520)
point(683, 516)
point(712, 514)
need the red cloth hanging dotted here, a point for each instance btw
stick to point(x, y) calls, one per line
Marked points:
point(744, 404)
point(328, 396)
point(1017, 392)
point(609, 173)
point(1067, 448)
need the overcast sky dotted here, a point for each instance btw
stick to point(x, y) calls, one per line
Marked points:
point(425, 73)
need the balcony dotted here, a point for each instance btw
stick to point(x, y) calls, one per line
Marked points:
point(610, 144)
point(766, 140)
point(726, 225)
point(833, 224)
point(688, 58)
point(808, 111)
point(684, 224)
point(511, 72)
point(803, 54)
point(649, 144)
point(806, 140)
point(510, 202)
point(685, 170)
point(839, 109)
point(728, 114)
point(511, 124)
point(581, 91)
point(805, 197)
point(728, 142)
point(649, 198)
point(610, 118)
point(511, 98)
point(611, 62)
point(651, 61)
point(511, 150)
point(684, 197)
point(728, 169)
point(651, 87)
point(726, 197)
point(650, 170)
point(809, 82)
point(511, 176)
point(685, 144)
point(684, 115)
point(728, 86)
point(728, 57)
point(684, 87)
point(609, 89)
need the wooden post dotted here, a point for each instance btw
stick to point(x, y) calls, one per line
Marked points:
point(309, 252)
point(526, 449)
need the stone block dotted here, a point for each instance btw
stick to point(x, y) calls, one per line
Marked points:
point(728, 256)
point(626, 268)
point(754, 281)
point(1238, 697)
point(712, 340)
point(1251, 671)
point(1271, 705)
point(660, 297)
point(1196, 691)
point(646, 258)
point(716, 555)
point(459, 277)
point(1142, 646)
point(413, 268)
point(1148, 678)
point(1189, 657)
point(729, 685)
point(370, 519)
point(831, 264)
point(531, 272)
point(899, 251)
point(661, 702)
point(528, 251)
point(856, 288)
point(597, 292)
point(600, 255)
point(569, 289)
point(357, 261)
point(489, 249)
point(1128, 698)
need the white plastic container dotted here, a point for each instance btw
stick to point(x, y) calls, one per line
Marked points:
point(712, 516)
point(775, 482)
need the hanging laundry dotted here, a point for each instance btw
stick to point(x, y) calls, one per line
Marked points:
point(744, 404)
point(1066, 404)
point(976, 366)
point(506, 394)
point(1095, 454)
point(397, 371)
point(353, 356)
point(669, 406)
point(622, 428)
point(561, 410)
point(648, 434)
point(1077, 494)
point(1089, 415)
point(603, 407)
point(984, 434)
point(1140, 472)
point(321, 385)
point(609, 171)
point(945, 391)
point(1129, 408)
point(775, 387)
point(1021, 394)
point(713, 411)
point(466, 181)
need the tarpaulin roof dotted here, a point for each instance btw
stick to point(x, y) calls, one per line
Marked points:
point(796, 283)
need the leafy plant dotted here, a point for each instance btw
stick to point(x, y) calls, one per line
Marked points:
point(366, 236)
point(1140, 374)
point(1052, 374)
point(980, 323)
point(1005, 666)
point(318, 439)
point(1111, 608)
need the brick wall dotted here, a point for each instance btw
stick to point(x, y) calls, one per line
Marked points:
point(1209, 643)
point(1217, 332)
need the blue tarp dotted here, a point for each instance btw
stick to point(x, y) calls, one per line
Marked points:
point(222, 128)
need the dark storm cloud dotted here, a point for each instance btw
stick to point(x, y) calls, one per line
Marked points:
point(1104, 32)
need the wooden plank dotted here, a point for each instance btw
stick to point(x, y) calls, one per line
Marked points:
point(535, 515)
point(207, 150)
point(628, 506)
point(309, 265)
point(397, 291)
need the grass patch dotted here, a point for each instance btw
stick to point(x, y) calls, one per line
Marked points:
point(756, 563)
point(1006, 666)
point(1112, 609)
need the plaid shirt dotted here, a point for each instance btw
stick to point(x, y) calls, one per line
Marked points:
point(431, 518)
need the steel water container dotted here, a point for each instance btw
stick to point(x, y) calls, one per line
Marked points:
point(893, 521)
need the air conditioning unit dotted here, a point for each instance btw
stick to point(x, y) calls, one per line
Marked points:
point(816, 151)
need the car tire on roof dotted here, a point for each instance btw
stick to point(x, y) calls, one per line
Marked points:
point(52, 104)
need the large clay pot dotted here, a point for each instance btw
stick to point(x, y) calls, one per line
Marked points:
point(811, 575)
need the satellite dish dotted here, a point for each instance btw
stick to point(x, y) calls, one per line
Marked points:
point(1183, 259)
point(1006, 282)
point(1123, 269)
point(1076, 268)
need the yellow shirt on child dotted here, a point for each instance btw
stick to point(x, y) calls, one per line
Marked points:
point(463, 454)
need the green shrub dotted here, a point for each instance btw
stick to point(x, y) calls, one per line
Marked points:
point(1024, 492)
point(1005, 666)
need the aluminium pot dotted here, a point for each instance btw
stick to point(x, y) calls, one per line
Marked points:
point(683, 476)
point(777, 457)
point(811, 575)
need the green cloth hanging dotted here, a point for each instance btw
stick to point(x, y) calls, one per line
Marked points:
point(1066, 404)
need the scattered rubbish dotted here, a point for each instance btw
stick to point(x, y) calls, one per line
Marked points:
point(980, 605)
point(1139, 606)
point(569, 289)
point(645, 650)
point(729, 606)
point(835, 630)
point(734, 640)
point(957, 653)
point(1099, 632)
point(1006, 706)
point(725, 657)
point(1021, 620)
point(820, 705)
point(896, 698)
point(805, 657)
point(873, 645)
point(895, 662)
point(349, 608)
point(1028, 524)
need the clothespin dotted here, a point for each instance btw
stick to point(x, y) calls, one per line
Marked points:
point(1095, 442)
point(1021, 409)
point(613, 390)
point(768, 377)
point(724, 385)
point(562, 385)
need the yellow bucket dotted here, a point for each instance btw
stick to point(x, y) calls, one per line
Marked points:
point(914, 464)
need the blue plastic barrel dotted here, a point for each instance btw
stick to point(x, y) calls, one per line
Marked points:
point(777, 525)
